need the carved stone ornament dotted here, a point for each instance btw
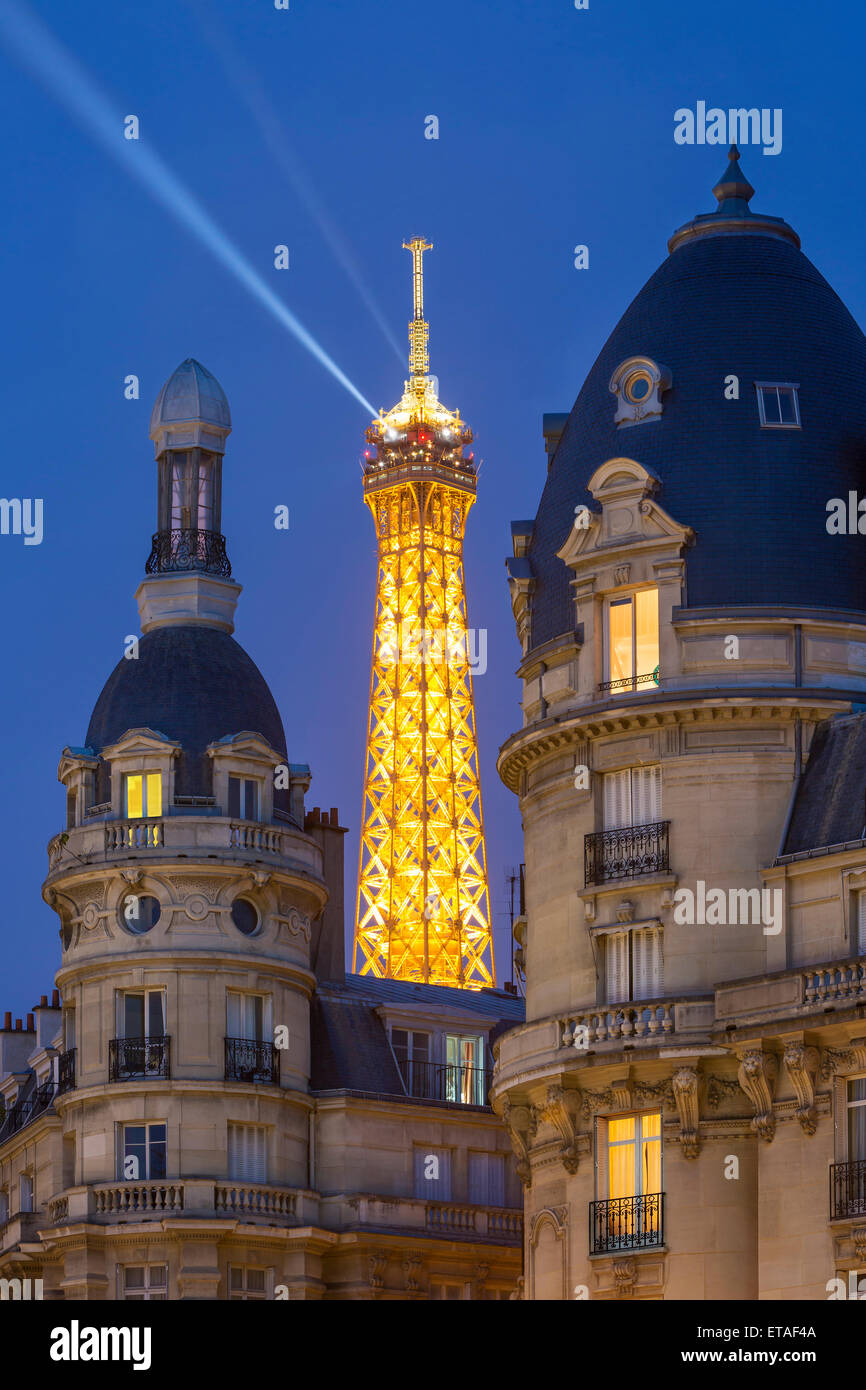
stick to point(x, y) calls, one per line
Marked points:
point(685, 1088)
point(196, 907)
point(377, 1263)
point(802, 1064)
point(561, 1109)
point(521, 1123)
point(757, 1076)
point(625, 1277)
point(720, 1088)
point(411, 1267)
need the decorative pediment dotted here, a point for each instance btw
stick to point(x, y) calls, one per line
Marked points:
point(246, 744)
point(136, 741)
point(630, 518)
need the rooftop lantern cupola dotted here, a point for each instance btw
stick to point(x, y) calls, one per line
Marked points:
point(189, 426)
point(188, 572)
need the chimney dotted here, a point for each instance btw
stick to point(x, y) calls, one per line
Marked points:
point(55, 999)
point(328, 940)
point(18, 1025)
point(31, 1026)
point(7, 1021)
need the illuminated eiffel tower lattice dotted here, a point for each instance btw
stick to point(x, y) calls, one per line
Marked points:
point(422, 909)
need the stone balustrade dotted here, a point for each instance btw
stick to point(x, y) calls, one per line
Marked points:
point(245, 1199)
point(98, 842)
point(652, 1018)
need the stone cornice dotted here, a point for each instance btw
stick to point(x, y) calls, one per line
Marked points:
point(532, 744)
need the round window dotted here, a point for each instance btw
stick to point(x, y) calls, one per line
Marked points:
point(638, 386)
point(139, 912)
point(245, 916)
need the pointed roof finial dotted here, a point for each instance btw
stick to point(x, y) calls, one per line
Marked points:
point(733, 190)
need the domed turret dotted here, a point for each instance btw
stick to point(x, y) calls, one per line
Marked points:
point(191, 404)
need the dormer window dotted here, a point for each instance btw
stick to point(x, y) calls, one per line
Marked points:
point(142, 795)
point(244, 798)
point(778, 405)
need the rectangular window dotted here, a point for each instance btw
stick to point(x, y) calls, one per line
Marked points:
point(861, 923)
point(4, 1206)
point(412, 1051)
point(68, 1029)
point(631, 1153)
point(632, 797)
point(487, 1179)
point(25, 1192)
point(144, 1283)
point(179, 505)
point(205, 495)
point(247, 1146)
point(141, 1013)
point(455, 1292)
point(632, 654)
point(633, 967)
point(778, 404)
point(857, 1120)
point(246, 1016)
point(243, 798)
point(432, 1173)
point(465, 1077)
point(247, 1285)
point(143, 1152)
point(143, 794)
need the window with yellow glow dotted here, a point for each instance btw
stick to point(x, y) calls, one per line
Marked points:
point(634, 1156)
point(143, 794)
point(633, 636)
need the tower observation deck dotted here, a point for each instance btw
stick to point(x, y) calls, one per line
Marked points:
point(422, 911)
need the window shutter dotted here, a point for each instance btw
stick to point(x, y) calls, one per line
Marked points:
point(861, 923)
point(496, 1180)
point(233, 1015)
point(646, 794)
point(478, 1177)
point(646, 948)
point(248, 1153)
point(432, 1189)
point(617, 799)
point(616, 967)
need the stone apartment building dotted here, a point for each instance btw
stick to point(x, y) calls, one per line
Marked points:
point(687, 1096)
point(209, 1107)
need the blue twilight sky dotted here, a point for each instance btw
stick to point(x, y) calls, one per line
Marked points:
point(306, 127)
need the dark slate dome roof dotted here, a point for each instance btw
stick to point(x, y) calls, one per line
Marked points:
point(735, 296)
point(194, 684)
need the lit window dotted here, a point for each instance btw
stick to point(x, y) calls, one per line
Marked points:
point(248, 1152)
point(632, 797)
point(634, 1155)
point(465, 1077)
point(143, 1152)
point(143, 794)
point(778, 405)
point(144, 1283)
point(857, 1120)
point(633, 967)
point(243, 798)
point(179, 509)
point(204, 520)
point(632, 634)
point(247, 1284)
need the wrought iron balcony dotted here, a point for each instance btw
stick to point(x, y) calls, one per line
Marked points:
point(629, 683)
point(450, 1081)
point(139, 1059)
point(630, 852)
point(27, 1109)
point(847, 1189)
point(186, 549)
point(626, 1223)
point(248, 1060)
point(66, 1071)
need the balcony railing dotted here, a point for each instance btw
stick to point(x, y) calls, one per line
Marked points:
point(133, 834)
point(462, 1085)
point(187, 549)
point(138, 1059)
point(25, 1110)
point(248, 1060)
point(66, 1071)
point(630, 682)
point(847, 1189)
point(626, 1223)
point(630, 852)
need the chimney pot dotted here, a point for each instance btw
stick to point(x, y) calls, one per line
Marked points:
point(55, 999)
point(43, 1001)
point(7, 1021)
point(335, 816)
point(31, 1026)
point(18, 1025)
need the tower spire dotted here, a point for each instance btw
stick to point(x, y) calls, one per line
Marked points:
point(419, 330)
